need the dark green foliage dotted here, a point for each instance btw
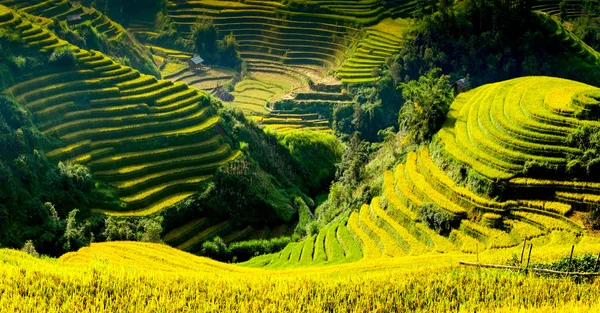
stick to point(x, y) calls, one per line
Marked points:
point(587, 162)
point(489, 41)
point(215, 249)
point(564, 10)
point(206, 41)
point(124, 48)
point(227, 52)
point(316, 155)
point(124, 11)
point(375, 108)
point(585, 264)
point(204, 35)
point(146, 229)
point(427, 103)
point(593, 217)
point(241, 191)
point(63, 57)
point(305, 216)
point(306, 7)
point(242, 251)
point(36, 193)
point(437, 218)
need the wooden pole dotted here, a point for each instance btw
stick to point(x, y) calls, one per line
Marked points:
point(571, 258)
point(528, 257)
point(596, 265)
point(523, 251)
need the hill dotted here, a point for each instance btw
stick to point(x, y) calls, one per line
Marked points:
point(491, 137)
point(149, 144)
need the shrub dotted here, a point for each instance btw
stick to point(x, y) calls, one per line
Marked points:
point(30, 248)
point(63, 57)
point(436, 218)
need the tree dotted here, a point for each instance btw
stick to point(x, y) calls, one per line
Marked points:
point(30, 248)
point(427, 102)
point(152, 229)
point(228, 54)
point(74, 235)
point(204, 36)
point(564, 10)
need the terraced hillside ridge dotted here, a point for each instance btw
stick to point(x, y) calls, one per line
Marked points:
point(568, 39)
point(497, 128)
point(152, 140)
point(46, 10)
point(190, 236)
point(552, 7)
point(379, 43)
point(493, 129)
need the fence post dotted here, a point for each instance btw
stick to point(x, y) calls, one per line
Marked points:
point(571, 259)
point(596, 265)
point(523, 251)
point(477, 252)
point(528, 258)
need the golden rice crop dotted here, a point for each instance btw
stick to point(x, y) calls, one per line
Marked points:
point(390, 246)
point(135, 277)
point(415, 246)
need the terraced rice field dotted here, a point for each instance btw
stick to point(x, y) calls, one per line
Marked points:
point(493, 129)
point(378, 43)
point(46, 10)
point(206, 79)
point(133, 131)
point(390, 226)
point(568, 39)
point(191, 235)
point(267, 42)
point(498, 127)
point(552, 7)
point(403, 8)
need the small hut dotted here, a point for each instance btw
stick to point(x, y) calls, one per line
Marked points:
point(195, 63)
point(73, 18)
point(461, 85)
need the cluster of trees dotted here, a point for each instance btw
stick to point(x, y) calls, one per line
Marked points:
point(487, 41)
point(39, 199)
point(213, 50)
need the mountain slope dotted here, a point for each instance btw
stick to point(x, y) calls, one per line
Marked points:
point(490, 134)
point(132, 130)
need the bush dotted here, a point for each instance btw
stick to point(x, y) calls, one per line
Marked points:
point(63, 57)
point(30, 248)
point(438, 219)
point(427, 103)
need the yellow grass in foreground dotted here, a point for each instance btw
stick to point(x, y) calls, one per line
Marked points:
point(137, 277)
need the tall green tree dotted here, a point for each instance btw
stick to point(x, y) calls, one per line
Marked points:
point(204, 36)
point(427, 103)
